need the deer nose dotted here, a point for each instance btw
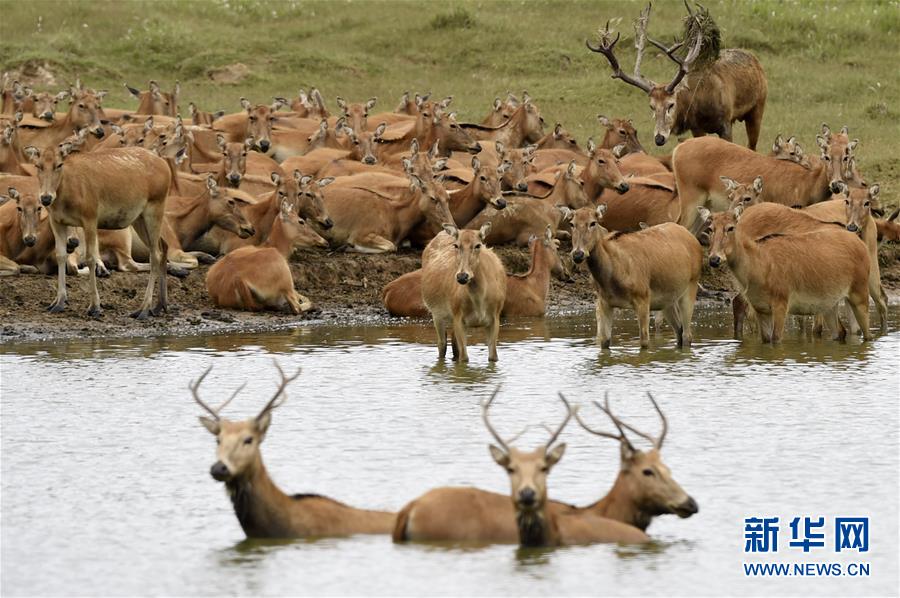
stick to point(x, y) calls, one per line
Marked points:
point(527, 497)
point(247, 232)
point(46, 199)
point(523, 187)
point(687, 508)
point(72, 244)
point(328, 223)
point(369, 160)
point(836, 186)
point(47, 116)
point(715, 261)
point(623, 188)
point(659, 139)
point(99, 133)
point(29, 240)
point(462, 277)
point(264, 145)
point(234, 179)
point(578, 256)
point(500, 203)
point(474, 148)
point(219, 471)
point(852, 227)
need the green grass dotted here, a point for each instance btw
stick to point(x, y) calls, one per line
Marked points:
point(827, 61)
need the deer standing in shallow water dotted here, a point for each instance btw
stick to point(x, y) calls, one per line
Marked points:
point(262, 509)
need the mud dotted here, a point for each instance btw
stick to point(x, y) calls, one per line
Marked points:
point(345, 289)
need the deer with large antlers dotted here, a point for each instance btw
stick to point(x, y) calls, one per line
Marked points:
point(473, 515)
point(702, 100)
point(262, 509)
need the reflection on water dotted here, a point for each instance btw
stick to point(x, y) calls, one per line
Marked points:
point(105, 469)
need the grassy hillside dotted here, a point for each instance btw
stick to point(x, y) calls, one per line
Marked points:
point(826, 61)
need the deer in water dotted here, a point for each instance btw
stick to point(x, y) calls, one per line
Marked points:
point(463, 286)
point(109, 189)
point(526, 294)
point(703, 100)
point(782, 272)
point(262, 509)
point(657, 268)
point(459, 514)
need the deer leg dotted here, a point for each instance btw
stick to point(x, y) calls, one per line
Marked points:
point(604, 323)
point(832, 319)
point(441, 328)
point(779, 314)
point(642, 309)
point(686, 314)
point(859, 305)
point(372, 243)
point(739, 313)
point(725, 131)
point(59, 235)
point(753, 123)
point(493, 333)
point(92, 257)
point(764, 319)
point(459, 338)
point(876, 291)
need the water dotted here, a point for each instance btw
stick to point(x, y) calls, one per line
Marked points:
point(105, 484)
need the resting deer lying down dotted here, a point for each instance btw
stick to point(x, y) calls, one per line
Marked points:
point(463, 286)
point(471, 515)
point(526, 294)
point(258, 278)
point(262, 509)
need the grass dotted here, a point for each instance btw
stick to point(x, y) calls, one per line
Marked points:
point(826, 60)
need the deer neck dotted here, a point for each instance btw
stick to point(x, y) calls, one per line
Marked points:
point(408, 213)
point(539, 274)
point(603, 254)
point(619, 506)
point(821, 183)
point(279, 239)
point(465, 203)
point(262, 215)
point(193, 222)
point(261, 507)
point(537, 528)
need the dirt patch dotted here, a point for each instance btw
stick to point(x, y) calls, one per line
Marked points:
point(231, 74)
point(35, 73)
point(345, 288)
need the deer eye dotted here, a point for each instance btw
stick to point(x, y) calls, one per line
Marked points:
point(648, 472)
point(483, 178)
point(866, 204)
point(478, 246)
point(456, 246)
point(19, 208)
point(544, 469)
point(248, 440)
point(218, 441)
point(593, 224)
point(622, 132)
point(729, 229)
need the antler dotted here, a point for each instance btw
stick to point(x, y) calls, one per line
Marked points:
point(607, 48)
point(684, 66)
point(485, 406)
point(563, 424)
point(621, 437)
point(273, 402)
point(657, 442)
point(195, 386)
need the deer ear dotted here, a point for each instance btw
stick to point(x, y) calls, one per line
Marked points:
point(305, 180)
point(591, 146)
point(245, 104)
point(619, 150)
point(845, 130)
point(604, 121)
point(852, 145)
point(262, 422)
point(704, 214)
point(484, 231)
point(601, 210)
point(555, 454)
point(504, 168)
point(874, 190)
point(211, 182)
point(371, 103)
point(210, 424)
point(476, 163)
point(342, 104)
point(326, 181)
point(276, 178)
point(626, 452)
point(758, 184)
point(497, 104)
point(249, 142)
point(439, 165)
point(776, 146)
point(117, 129)
point(220, 141)
point(548, 233)
point(379, 131)
point(499, 148)
point(136, 93)
point(14, 193)
point(566, 212)
point(729, 183)
point(822, 142)
point(570, 169)
point(558, 130)
point(500, 456)
point(451, 230)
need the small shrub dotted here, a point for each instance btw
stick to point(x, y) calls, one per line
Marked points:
point(458, 19)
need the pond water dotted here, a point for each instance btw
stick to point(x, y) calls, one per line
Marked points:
point(106, 490)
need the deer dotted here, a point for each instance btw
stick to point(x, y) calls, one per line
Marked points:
point(483, 190)
point(526, 294)
point(156, 101)
point(841, 160)
point(649, 201)
point(20, 220)
point(361, 157)
point(132, 135)
point(702, 99)
point(262, 509)
point(11, 159)
point(84, 113)
point(501, 110)
point(259, 277)
point(202, 117)
point(463, 286)
point(525, 125)
point(256, 121)
point(239, 168)
point(372, 221)
point(459, 514)
point(657, 268)
point(108, 189)
point(45, 105)
point(699, 164)
point(433, 125)
point(888, 229)
point(525, 216)
point(781, 272)
point(310, 105)
point(356, 113)
point(301, 190)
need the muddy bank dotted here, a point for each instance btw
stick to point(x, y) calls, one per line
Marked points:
point(345, 288)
